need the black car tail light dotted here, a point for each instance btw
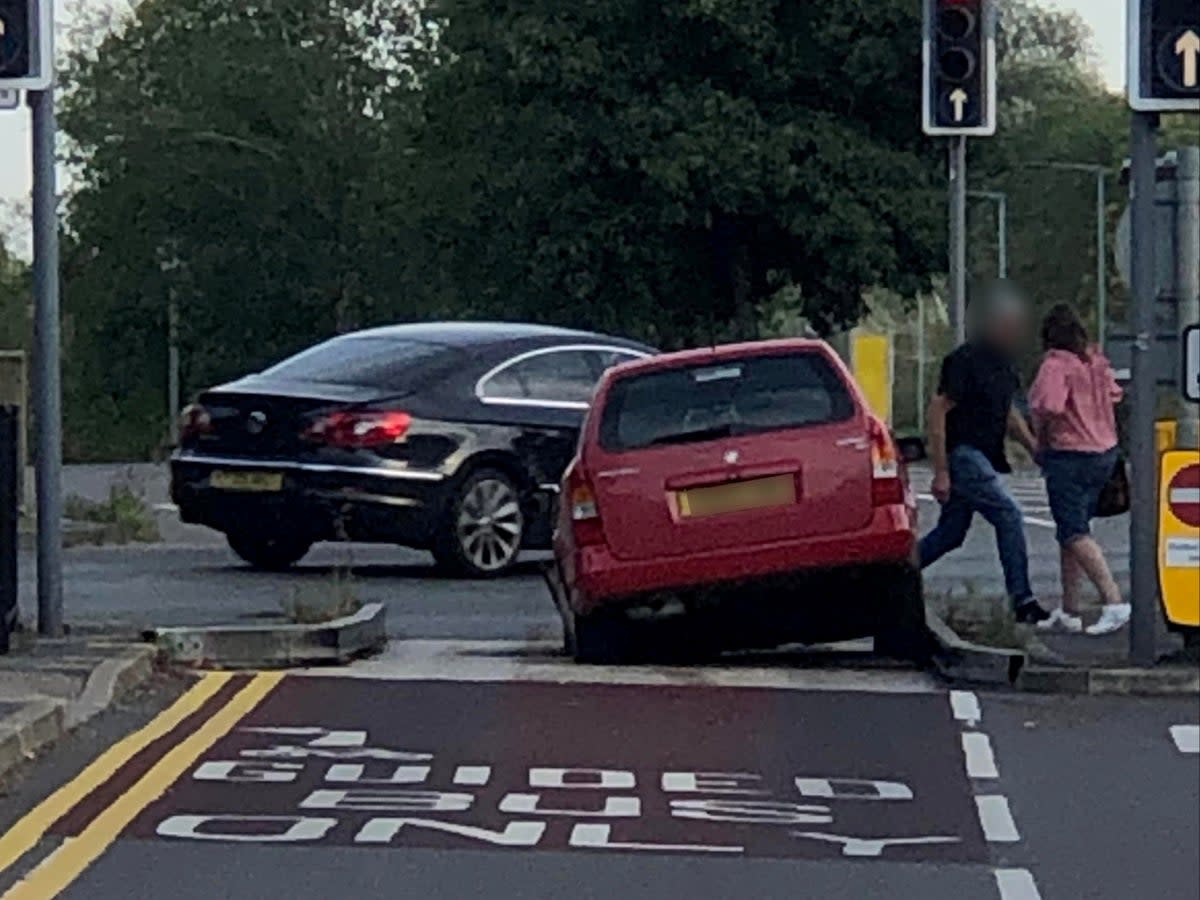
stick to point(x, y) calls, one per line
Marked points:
point(194, 421)
point(358, 430)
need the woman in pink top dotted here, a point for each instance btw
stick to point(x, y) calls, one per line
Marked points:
point(1072, 402)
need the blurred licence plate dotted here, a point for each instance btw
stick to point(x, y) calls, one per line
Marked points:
point(246, 481)
point(758, 493)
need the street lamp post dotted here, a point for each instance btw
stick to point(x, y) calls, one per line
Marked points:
point(1100, 173)
point(1001, 201)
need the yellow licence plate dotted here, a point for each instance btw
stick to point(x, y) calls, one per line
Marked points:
point(757, 493)
point(246, 481)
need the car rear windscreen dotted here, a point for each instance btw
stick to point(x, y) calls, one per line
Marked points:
point(733, 397)
point(368, 361)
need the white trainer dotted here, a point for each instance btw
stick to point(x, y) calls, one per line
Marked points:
point(1114, 617)
point(1061, 621)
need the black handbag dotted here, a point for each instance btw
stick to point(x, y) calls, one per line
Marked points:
point(1114, 497)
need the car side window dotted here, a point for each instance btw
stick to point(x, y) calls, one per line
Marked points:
point(609, 357)
point(557, 376)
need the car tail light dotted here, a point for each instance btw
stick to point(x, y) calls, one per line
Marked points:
point(585, 513)
point(194, 421)
point(356, 430)
point(887, 486)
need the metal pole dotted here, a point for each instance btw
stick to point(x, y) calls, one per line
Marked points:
point(1101, 258)
point(173, 365)
point(1002, 226)
point(921, 363)
point(10, 464)
point(1187, 277)
point(958, 237)
point(1144, 464)
point(47, 387)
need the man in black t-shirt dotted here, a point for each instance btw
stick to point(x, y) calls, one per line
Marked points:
point(969, 420)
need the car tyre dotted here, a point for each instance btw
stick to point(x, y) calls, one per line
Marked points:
point(597, 639)
point(903, 632)
point(270, 553)
point(483, 530)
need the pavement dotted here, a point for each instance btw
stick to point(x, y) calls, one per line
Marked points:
point(446, 769)
point(48, 687)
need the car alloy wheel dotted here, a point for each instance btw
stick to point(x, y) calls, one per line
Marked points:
point(490, 525)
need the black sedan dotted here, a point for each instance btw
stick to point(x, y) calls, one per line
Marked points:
point(449, 437)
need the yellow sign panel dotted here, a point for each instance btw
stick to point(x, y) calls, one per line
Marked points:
point(1179, 536)
point(871, 356)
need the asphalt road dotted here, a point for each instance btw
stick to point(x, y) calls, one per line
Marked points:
point(837, 784)
point(191, 578)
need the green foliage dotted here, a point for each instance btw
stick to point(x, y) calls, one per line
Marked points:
point(125, 518)
point(666, 169)
point(15, 329)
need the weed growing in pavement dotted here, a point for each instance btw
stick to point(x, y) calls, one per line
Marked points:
point(981, 619)
point(123, 518)
point(311, 604)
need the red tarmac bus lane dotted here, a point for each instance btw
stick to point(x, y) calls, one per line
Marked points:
point(720, 772)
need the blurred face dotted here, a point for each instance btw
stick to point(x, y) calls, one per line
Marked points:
point(1009, 330)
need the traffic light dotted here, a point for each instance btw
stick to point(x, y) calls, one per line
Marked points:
point(24, 44)
point(1164, 55)
point(960, 67)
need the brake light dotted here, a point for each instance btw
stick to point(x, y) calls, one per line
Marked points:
point(887, 487)
point(356, 430)
point(585, 512)
point(194, 421)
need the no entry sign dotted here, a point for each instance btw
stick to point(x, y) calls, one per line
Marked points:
point(1179, 537)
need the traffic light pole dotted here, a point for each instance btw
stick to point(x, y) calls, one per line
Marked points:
point(958, 237)
point(47, 388)
point(1143, 458)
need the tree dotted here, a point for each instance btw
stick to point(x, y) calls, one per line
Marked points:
point(229, 155)
point(667, 169)
point(14, 302)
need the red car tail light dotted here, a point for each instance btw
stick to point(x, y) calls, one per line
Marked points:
point(887, 487)
point(585, 513)
point(357, 430)
point(194, 421)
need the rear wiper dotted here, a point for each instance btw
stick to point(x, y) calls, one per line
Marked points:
point(701, 434)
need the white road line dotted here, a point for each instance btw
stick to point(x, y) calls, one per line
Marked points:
point(1186, 738)
point(996, 819)
point(1031, 520)
point(981, 762)
point(1016, 884)
point(966, 707)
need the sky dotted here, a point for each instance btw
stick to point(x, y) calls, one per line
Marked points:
point(1106, 18)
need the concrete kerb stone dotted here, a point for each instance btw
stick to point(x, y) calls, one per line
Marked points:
point(961, 661)
point(1169, 680)
point(275, 646)
point(1043, 671)
point(43, 720)
point(36, 724)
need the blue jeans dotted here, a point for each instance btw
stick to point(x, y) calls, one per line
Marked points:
point(976, 487)
point(1074, 482)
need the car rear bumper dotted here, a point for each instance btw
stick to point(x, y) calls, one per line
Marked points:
point(595, 579)
point(320, 501)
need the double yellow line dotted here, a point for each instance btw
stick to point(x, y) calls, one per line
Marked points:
point(60, 868)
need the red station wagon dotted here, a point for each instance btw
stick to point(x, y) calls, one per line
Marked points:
point(745, 492)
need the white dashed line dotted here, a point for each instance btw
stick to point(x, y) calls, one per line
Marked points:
point(996, 819)
point(1186, 738)
point(966, 707)
point(981, 762)
point(1016, 884)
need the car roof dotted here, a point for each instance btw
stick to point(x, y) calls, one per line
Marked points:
point(718, 353)
point(467, 334)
